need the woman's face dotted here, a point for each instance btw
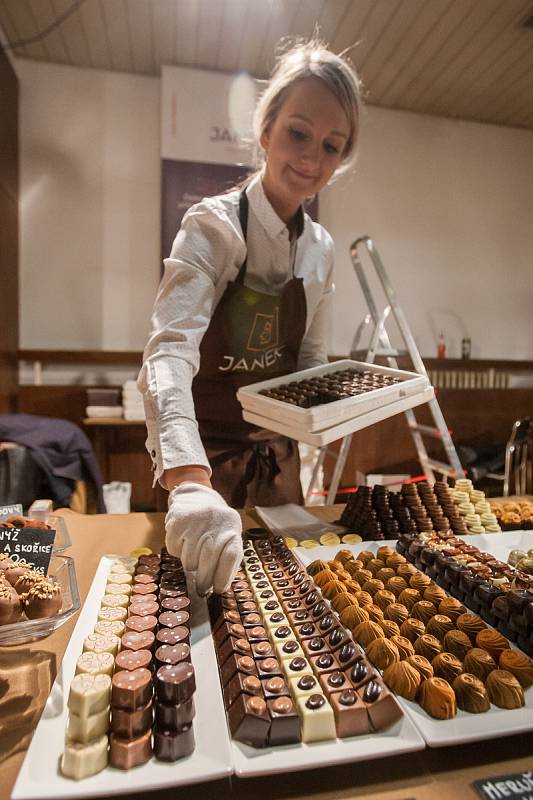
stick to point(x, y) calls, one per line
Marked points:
point(304, 145)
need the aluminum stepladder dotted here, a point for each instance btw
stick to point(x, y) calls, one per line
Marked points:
point(380, 345)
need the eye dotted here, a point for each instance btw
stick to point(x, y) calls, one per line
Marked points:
point(297, 135)
point(330, 148)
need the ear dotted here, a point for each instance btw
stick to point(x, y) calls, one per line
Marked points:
point(264, 139)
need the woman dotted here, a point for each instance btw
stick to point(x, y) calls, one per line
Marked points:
point(245, 297)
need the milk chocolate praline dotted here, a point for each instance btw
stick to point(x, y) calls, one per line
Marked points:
point(479, 663)
point(422, 665)
point(471, 694)
point(504, 689)
point(447, 666)
point(427, 646)
point(437, 698)
point(457, 643)
point(519, 665)
point(403, 679)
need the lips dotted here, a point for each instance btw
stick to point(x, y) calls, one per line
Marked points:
point(303, 175)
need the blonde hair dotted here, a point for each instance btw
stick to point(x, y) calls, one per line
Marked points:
point(306, 60)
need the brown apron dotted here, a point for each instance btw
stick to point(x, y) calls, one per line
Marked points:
point(252, 336)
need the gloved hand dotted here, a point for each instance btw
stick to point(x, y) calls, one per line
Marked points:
point(205, 533)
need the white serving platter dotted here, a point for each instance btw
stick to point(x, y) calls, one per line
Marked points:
point(211, 759)
point(464, 727)
point(293, 520)
point(328, 414)
point(341, 429)
point(501, 544)
point(403, 737)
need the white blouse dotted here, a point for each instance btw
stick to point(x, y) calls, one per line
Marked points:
point(208, 251)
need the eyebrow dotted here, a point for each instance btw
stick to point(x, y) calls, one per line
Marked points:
point(310, 122)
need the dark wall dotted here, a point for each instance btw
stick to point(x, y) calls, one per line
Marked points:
point(9, 252)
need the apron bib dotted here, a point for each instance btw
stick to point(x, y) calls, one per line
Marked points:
point(252, 336)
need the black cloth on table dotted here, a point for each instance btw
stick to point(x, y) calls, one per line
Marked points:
point(60, 448)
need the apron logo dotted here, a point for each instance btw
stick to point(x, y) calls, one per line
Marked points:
point(264, 361)
point(265, 332)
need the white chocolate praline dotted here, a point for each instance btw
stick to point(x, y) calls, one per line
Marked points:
point(82, 760)
point(282, 656)
point(318, 724)
point(114, 626)
point(119, 577)
point(118, 588)
point(85, 729)
point(305, 669)
point(115, 601)
point(108, 614)
point(101, 643)
point(89, 694)
point(95, 663)
point(297, 691)
point(271, 624)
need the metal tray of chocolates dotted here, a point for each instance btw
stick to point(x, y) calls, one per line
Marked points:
point(488, 720)
point(319, 397)
point(40, 775)
point(295, 700)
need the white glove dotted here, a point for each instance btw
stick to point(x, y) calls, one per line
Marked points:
point(205, 533)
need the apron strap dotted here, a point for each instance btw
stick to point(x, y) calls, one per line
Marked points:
point(243, 219)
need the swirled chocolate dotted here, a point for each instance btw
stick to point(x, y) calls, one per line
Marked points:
point(471, 694)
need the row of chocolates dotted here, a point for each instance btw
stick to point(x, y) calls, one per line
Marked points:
point(135, 665)
point(427, 645)
point(499, 592)
point(330, 387)
point(379, 513)
point(284, 656)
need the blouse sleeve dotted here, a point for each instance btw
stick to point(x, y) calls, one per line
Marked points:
point(181, 315)
point(314, 347)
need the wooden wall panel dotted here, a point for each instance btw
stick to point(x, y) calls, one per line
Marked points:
point(8, 234)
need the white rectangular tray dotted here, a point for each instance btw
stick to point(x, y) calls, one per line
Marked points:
point(211, 759)
point(403, 737)
point(464, 727)
point(295, 521)
point(341, 429)
point(328, 414)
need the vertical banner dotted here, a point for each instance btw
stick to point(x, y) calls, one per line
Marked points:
point(206, 133)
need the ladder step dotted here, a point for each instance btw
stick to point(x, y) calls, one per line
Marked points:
point(426, 430)
point(440, 466)
point(361, 355)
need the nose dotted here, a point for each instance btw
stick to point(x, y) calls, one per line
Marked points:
point(310, 152)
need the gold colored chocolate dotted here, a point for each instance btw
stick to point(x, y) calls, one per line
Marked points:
point(458, 643)
point(447, 666)
point(479, 663)
point(519, 665)
point(382, 653)
point(427, 646)
point(493, 642)
point(471, 694)
point(412, 628)
point(422, 665)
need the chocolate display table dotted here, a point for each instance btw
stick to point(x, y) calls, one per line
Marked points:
point(27, 673)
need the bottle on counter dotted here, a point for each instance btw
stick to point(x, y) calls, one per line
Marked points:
point(441, 347)
point(466, 347)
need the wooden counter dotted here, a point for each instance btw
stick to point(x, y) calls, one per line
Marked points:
point(27, 673)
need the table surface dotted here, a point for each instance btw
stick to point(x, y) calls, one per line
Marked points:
point(27, 673)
